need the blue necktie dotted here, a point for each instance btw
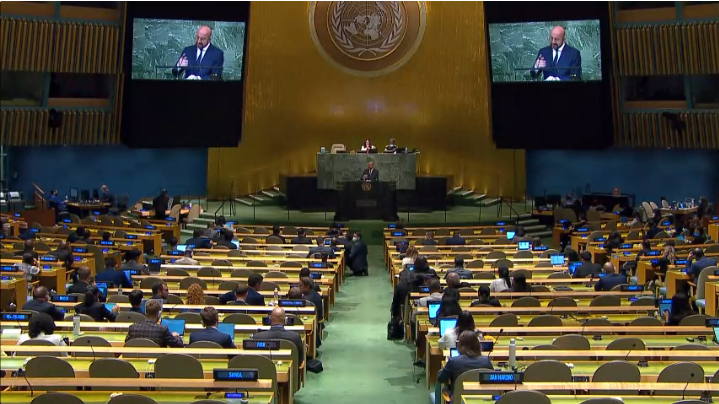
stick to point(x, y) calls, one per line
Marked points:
point(556, 58)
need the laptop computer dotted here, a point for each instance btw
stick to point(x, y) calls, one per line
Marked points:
point(557, 259)
point(175, 325)
point(433, 307)
point(523, 245)
point(510, 234)
point(445, 324)
point(227, 328)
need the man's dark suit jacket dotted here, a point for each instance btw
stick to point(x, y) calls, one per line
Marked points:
point(697, 267)
point(213, 335)
point(568, 65)
point(610, 281)
point(62, 255)
point(199, 242)
point(373, 176)
point(159, 333)
point(97, 311)
point(42, 306)
point(279, 332)
point(587, 269)
point(301, 240)
point(114, 276)
point(81, 287)
point(254, 298)
point(358, 257)
point(227, 244)
point(211, 63)
point(316, 299)
point(456, 241)
point(135, 266)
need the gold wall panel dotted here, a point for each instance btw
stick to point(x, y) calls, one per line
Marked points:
point(30, 128)
point(296, 102)
point(652, 130)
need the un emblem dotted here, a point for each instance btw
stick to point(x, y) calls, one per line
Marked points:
point(367, 38)
point(366, 186)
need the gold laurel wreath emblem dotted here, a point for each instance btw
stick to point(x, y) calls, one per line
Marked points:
point(392, 40)
point(366, 186)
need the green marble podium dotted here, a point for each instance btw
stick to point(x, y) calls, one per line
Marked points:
point(342, 167)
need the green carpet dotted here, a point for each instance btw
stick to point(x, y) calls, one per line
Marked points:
point(360, 364)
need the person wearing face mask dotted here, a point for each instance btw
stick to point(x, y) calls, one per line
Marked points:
point(391, 147)
point(358, 256)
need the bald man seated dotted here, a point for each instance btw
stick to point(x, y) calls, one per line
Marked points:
point(277, 331)
point(558, 61)
point(610, 279)
point(201, 61)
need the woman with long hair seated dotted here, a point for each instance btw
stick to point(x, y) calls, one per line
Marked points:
point(42, 327)
point(93, 307)
point(680, 309)
point(470, 357)
point(195, 295)
point(465, 322)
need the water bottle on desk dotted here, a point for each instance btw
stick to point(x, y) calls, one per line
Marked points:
point(512, 354)
point(75, 325)
point(276, 298)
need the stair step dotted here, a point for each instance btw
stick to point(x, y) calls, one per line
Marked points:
point(525, 216)
point(456, 190)
point(244, 201)
point(465, 193)
point(196, 226)
point(477, 197)
point(490, 202)
point(186, 232)
point(527, 222)
point(258, 198)
point(277, 189)
point(207, 215)
point(536, 227)
point(271, 194)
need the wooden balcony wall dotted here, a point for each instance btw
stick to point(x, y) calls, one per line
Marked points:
point(674, 48)
point(61, 47)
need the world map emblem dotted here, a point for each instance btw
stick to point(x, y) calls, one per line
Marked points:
point(367, 38)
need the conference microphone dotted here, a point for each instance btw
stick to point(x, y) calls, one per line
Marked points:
point(691, 376)
point(496, 342)
point(634, 345)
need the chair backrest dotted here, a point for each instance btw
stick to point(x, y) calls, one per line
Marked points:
point(222, 263)
point(146, 283)
point(209, 271)
point(702, 280)
point(264, 366)
point(540, 288)
point(562, 301)
point(646, 322)
point(105, 368)
point(496, 255)
point(48, 366)
point(526, 301)
point(616, 371)
point(290, 264)
point(38, 342)
point(130, 317)
point(483, 275)
point(244, 272)
point(190, 318)
point(690, 347)
point(95, 342)
point(524, 254)
point(524, 397)
point(476, 264)
point(557, 275)
point(83, 318)
point(428, 248)
point(627, 343)
point(524, 272)
point(186, 282)
point(503, 262)
point(473, 374)
point(677, 373)
point(177, 272)
point(285, 344)
point(546, 264)
point(53, 397)
point(606, 300)
point(207, 344)
point(572, 342)
point(235, 253)
point(505, 320)
point(141, 342)
point(696, 320)
point(118, 299)
point(548, 371)
point(132, 398)
point(239, 318)
point(174, 299)
point(212, 301)
point(545, 320)
point(643, 301)
point(548, 252)
point(178, 366)
point(275, 274)
point(273, 240)
point(545, 348)
point(228, 285)
point(194, 213)
point(597, 322)
point(261, 230)
point(269, 286)
point(603, 400)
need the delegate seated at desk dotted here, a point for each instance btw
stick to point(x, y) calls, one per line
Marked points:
point(391, 147)
point(368, 147)
point(210, 333)
point(370, 174)
point(610, 280)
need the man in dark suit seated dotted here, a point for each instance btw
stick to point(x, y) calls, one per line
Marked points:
point(459, 269)
point(210, 333)
point(254, 298)
point(112, 274)
point(307, 287)
point(160, 291)
point(588, 267)
point(41, 303)
point(428, 239)
point(558, 61)
point(226, 239)
point(456, 239)
point(358, 256)
point(107, 196)
point(370, 174)
point(135, 298)
point(132, 262)
point(77, 235)
point(694, 268)
point(301, 238)
point(83, 281)
point(201, 61)
point(150, 329)
point(322, 249)
point(198, 241)
point(610, 280)
point(277, 331)
point(237, 296)
point(62, 252)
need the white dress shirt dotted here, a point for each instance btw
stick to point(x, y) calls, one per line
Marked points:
point(55, 339)
point(555, 51)
point(201, 53)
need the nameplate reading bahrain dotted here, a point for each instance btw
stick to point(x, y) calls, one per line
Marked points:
point(232, 375)
point(501, 377)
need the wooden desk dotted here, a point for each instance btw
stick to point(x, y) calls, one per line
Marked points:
point(693, 388)
point(714, 231)
point(711, 294)
point(676, 282)
point(190, 384)
point(13, 291)
point(90, 397)
point(53, 278)
point(572, 399)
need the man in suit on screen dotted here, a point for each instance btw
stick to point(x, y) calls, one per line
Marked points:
point(370, 174)
point(202, 60)
point(558, 61)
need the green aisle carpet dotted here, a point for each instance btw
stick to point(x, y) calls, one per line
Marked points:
point(360, 365)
